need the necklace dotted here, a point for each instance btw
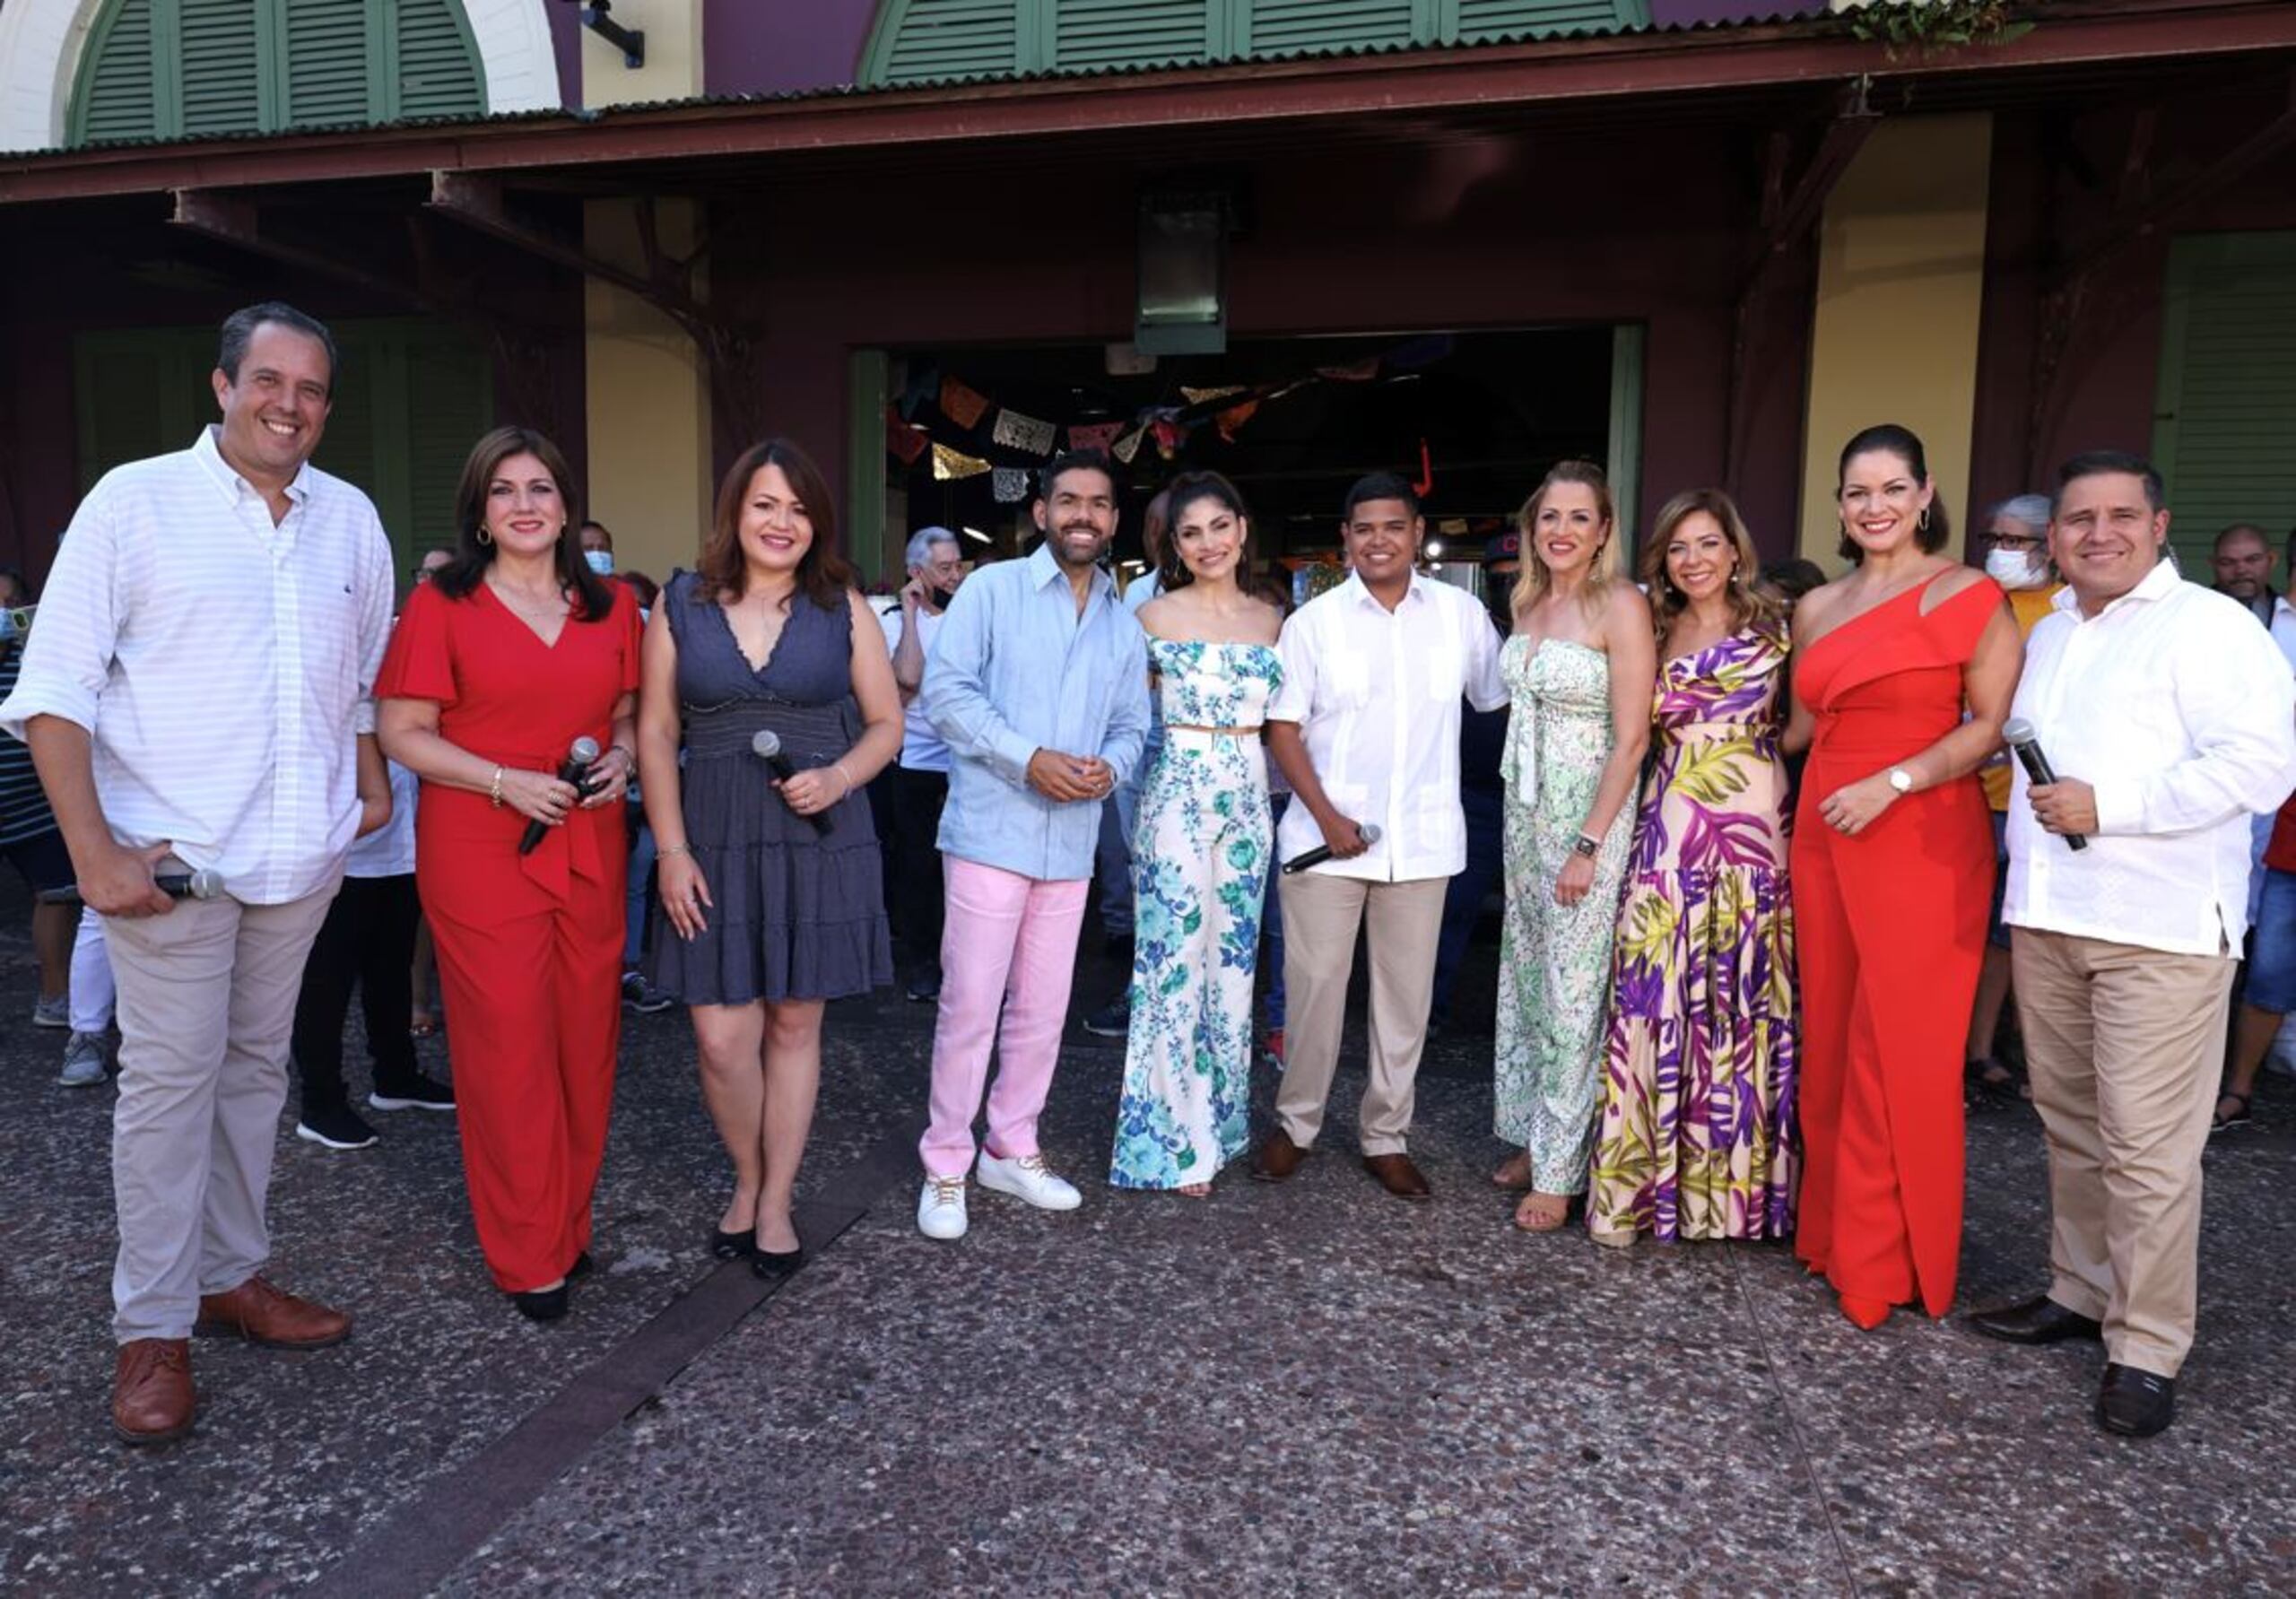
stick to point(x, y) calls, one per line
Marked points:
point(526, 605)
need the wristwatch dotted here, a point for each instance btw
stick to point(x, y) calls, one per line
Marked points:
point(1900, 779)
point(1587, 845)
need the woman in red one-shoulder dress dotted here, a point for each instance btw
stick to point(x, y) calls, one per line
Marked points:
point(1903, 674)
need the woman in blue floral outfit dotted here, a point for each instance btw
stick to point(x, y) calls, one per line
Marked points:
point(1200, 853)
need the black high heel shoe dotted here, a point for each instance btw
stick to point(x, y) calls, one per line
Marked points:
point(732, 1246)
point(775, 1264)
point(547, 1304)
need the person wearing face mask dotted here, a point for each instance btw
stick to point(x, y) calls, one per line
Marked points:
point(598, 548)
point(937, 568)
point(2016, 543)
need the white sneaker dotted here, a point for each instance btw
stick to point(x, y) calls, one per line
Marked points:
point(941, 1208)
point(1028, 1177)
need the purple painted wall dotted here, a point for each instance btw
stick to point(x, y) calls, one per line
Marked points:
point(1686, 14)
point(566, 45)
point(753, 47)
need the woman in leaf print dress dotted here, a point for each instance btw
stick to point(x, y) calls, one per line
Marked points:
point(1200, 851)
point(1696, 1136)
point(1580, 667)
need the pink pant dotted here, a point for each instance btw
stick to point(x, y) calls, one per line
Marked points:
point(1011, 942)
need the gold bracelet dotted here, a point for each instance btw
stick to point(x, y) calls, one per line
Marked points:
point(842, 772)
point(494, 789)
point(664, 851)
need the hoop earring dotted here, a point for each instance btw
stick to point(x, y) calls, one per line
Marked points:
point(1921, 524)
point(484, 537)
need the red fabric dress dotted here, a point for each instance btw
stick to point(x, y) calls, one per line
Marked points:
point(1891, 926)
point(529, 946)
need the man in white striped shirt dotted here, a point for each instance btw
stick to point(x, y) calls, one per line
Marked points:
point(197, 697)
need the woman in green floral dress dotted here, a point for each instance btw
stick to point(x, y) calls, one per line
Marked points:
point(1580, 665)
point(1200, 851)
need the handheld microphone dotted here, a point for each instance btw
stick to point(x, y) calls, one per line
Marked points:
point(204, 883)
point(577, 770)
point(765, 743)
point(2026, 743)
point(1322, 852)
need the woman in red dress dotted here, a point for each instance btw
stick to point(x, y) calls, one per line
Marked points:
point(1893, 871)
point(510, 653)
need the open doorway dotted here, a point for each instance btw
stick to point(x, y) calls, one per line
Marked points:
point(1472, 418)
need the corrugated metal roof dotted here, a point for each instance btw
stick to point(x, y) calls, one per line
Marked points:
point(1815, 23)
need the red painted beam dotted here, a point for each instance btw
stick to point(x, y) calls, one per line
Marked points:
point(1548, 71)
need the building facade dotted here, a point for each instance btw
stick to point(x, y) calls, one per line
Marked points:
point(1293, 239)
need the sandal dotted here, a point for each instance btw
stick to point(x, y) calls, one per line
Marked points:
point(422, 1024)
point(2238, 1118)
point(1542, 1213)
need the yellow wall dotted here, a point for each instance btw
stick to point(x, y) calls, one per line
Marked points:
point(673, 69)
point(647, 401)
point(1900, 280)
point(647, 389)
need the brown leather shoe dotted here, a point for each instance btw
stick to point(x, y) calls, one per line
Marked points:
point(1398, 1176)
point(1278, 1157)
point(262, 1313)
point(152, 1395)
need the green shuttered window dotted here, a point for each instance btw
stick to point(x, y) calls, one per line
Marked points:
point(2224, 424)
point(174, 69)
point(413, 396)
point(922, 41)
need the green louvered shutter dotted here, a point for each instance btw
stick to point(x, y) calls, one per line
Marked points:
point(140, 393)
point(348, 447)
point(921, 40)
point(439, 73)
point(223, 79)
point(1282, 27)
point(329, 75)
point(1106, 33)
point(2225, 428)
point(118, 92)
point(1481, 20)
point(450, 405)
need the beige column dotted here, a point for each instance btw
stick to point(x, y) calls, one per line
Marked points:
point(1901, 284)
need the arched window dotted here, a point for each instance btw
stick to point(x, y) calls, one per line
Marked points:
point(178, 69)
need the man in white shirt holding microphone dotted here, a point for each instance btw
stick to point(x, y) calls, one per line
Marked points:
point(2156, 725)
point(1366, 730)
point(200, 691)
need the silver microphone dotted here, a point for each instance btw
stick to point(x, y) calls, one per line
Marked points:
point(766, 746)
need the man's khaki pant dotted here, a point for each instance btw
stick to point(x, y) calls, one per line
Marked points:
point(206, 999)
point(1321, 913)
point(2124, 1045)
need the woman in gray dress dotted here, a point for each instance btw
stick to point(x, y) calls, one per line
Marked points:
point(771, 886)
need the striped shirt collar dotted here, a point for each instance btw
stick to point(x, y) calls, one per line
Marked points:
point(207, 449)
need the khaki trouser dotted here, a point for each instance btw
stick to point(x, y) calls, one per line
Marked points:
point(1321, 913)
point(206, 998)
point(2124, 1047)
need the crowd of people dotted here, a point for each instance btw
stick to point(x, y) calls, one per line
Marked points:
point(1769, 878)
